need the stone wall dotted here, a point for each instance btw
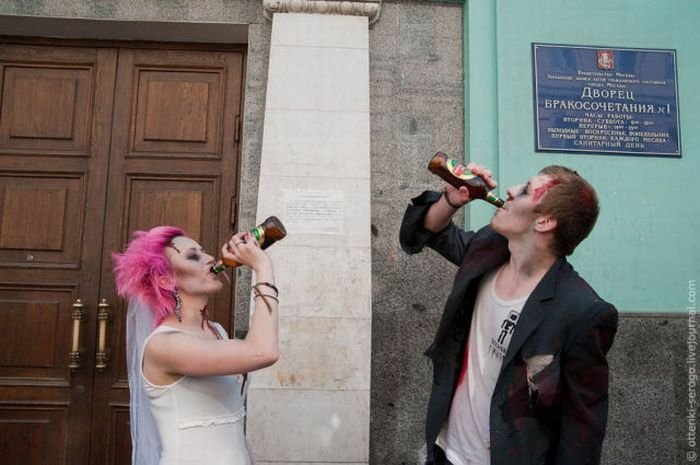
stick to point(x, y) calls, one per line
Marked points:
point(417, 107)
point(647, 423)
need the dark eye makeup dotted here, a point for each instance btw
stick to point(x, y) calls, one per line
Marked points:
point(194, 254)
point(525, 190)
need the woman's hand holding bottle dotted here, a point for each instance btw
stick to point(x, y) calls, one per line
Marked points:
point(244, 249)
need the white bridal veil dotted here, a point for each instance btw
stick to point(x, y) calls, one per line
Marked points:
point(145, 440)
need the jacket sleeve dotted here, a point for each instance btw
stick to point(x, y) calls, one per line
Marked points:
point(584, 412)
point(451, 242)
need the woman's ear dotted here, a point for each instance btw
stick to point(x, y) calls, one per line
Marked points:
point(166, 282)
point(545, 224)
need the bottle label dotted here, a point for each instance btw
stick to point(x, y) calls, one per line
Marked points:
point(459, 170)
point(259, 234)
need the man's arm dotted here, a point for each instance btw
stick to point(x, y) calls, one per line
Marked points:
point(451, 242)
point(584, 411)
point(429, 220)
point(440, 213)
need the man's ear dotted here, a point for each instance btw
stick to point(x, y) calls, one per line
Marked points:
point(545, 224)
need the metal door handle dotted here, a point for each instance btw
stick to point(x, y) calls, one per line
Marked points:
point(77, 316)
point(103, 316)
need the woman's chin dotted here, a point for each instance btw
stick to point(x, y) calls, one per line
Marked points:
point(217, 287)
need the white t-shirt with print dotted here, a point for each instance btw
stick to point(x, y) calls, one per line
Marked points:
point(465, 436)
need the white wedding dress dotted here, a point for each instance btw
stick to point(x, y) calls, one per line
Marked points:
point(200, 419)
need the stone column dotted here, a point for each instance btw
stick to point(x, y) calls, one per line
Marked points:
point(313, 405)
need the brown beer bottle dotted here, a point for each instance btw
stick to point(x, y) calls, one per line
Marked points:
point(456, 174)
point(267, 233)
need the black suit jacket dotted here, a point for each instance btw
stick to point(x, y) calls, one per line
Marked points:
point(559, 415)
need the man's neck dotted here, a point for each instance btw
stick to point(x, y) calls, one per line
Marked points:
point(524, 270)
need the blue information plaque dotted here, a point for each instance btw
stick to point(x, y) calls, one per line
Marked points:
point(606, 100)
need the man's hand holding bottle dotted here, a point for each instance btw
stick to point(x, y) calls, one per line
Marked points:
point(457, 198)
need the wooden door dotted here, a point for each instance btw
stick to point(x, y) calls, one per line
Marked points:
point(94, 143)
point(173, 161)
point(55, 118)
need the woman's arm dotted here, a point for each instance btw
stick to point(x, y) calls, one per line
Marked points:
point(187, 354)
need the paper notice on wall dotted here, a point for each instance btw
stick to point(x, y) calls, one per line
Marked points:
point(310, 211)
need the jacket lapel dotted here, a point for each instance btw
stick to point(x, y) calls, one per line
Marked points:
point(486, 255)
point(533, 311)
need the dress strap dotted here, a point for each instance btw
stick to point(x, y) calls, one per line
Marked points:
point(221, 332)
point(158, 330)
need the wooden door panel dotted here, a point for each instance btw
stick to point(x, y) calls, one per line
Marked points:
point(171, 118)
point(119, 446)
point(182, 104)
point(33, 341)
point(173, 160)
point(177, 114)
point(46, 107)
point(38, 221)
point(32, 435)
point(54, 147)
point(188, 203)
point(167, 177)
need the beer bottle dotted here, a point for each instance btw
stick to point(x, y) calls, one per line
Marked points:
point(456, 174)
point(267, 233)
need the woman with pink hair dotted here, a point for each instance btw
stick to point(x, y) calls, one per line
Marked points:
point(187, 379)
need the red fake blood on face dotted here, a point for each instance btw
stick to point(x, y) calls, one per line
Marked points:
point(539, 192)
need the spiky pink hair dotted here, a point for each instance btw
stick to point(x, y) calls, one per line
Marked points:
point(139, 270)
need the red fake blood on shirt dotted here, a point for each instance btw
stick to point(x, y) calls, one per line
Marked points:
point(465, 363)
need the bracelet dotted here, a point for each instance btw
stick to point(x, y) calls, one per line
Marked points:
point(447, 199)
point(270, 285)
point(267, 295)
point(264, 298)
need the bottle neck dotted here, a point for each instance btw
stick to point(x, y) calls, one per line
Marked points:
point(218, 268)
point(259, 234)
point(494, 200)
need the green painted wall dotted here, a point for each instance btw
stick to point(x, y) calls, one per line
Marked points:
point(644, 248)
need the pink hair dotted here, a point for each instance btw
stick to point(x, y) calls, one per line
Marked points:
point(140, 270)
